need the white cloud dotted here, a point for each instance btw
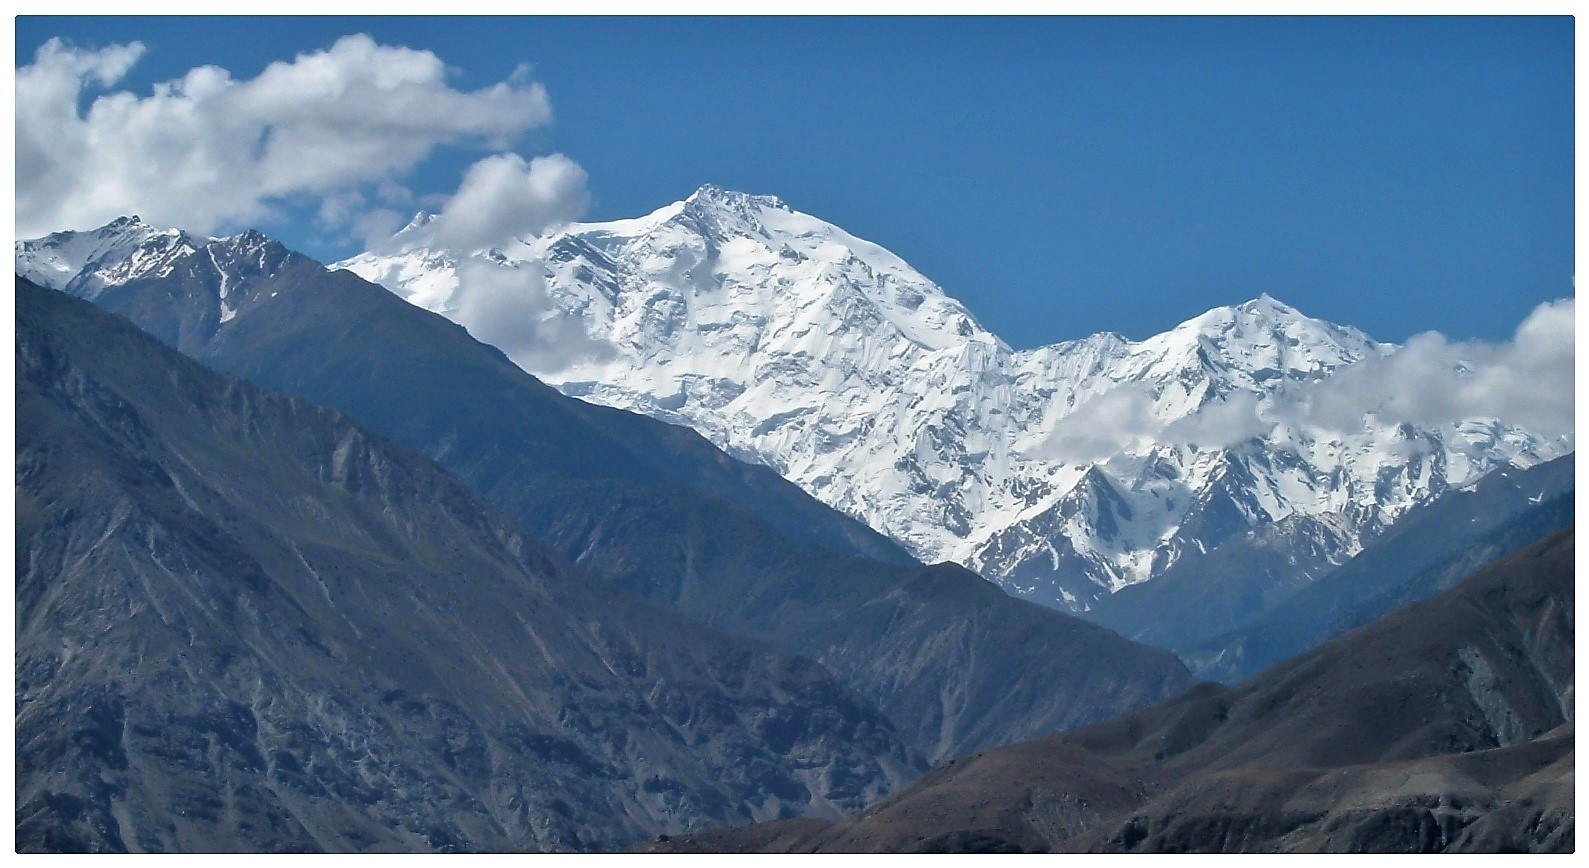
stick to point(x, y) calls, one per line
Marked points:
point(375, 226)
point(1219, 424)
point(503, 197)
point(1123, 418)
point(1102, 426)
point(1527, 381)
point(509, 309)
point(207, 151)
point(340, 209)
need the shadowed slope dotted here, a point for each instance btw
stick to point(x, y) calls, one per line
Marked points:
point(245, 623)
point(1443, 726)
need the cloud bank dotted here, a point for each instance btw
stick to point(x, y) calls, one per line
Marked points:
point(207, 151)
point(1122, 419)
point(1431, 381)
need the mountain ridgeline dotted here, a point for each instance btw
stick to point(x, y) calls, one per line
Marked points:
point(303, 565)
point(793, 344)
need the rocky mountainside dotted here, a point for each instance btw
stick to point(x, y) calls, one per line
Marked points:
point(1062, 473)
point(246, 623)
point(956, 664)
point(1445, 726)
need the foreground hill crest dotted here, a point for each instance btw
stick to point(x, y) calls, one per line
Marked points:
point(1445, 726)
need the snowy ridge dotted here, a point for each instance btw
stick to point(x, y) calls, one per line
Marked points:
point(84, 263)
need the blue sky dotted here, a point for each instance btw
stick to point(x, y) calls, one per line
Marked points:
point(1060, 176)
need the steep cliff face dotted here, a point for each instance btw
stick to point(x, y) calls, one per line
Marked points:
point(246, 623)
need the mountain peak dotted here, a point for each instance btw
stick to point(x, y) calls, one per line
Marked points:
point(84, 263)
point(1265, 316)
point(1268, 304)
point(1264, 339)
point(248, 253)
point(420, 220)
point(129, 221)
point(248, 239)
point(731, 210)
point(1265, 309)
point(130, 226)
point(711, 194)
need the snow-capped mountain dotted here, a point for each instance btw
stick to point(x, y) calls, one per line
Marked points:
point(87, 264)
point(1064, 473)
point(84, 263)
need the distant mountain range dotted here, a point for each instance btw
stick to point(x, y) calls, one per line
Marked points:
point(1250, 586)
point(1446, 726)
point(1435, 546)
point(1063, 473)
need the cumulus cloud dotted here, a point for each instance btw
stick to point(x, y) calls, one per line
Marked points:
point(351, 216)
point(340, 209)
point(1219, 424)
point(503, 197)
point(508, 308)
point(1527, 381)
point(206, 151)
point(375, 227)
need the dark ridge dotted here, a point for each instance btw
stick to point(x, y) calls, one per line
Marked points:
point(245, 623)
point(1444, 726)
